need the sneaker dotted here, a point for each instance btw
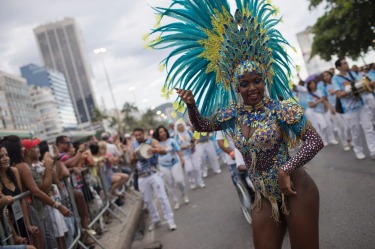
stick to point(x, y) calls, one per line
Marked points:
point(218, 171)
point(176, 206)
point(172, 226)
point(153, 225)
point(360, 156)
point(192, 186)
point(372, 156)
point(203, 185)
point(334, 142)
point(346, 147)
point(205, 174)
point(325, 144)
point(186, 199)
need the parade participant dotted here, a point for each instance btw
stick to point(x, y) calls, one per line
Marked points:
point(318, 103)
point(225, 54)
point(185, 139)
point(149, 181)
point(355, 111)
point(170, 164)
point(228, 147)
point(205, 152)
point(336, 119)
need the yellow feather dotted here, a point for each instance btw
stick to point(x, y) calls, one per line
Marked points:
point(196, 135)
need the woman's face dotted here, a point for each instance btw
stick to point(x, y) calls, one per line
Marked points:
point(251, 88)
point(34, 152)
point(327, 77)
point(180, 128)
point(102, 150)
point(4, 158)
point(312, 86)
point(162, 134)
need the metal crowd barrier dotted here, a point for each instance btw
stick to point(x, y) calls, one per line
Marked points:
point(98, 200)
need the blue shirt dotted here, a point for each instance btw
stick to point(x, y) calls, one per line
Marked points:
point(349, 103)
point(169, 159)
point(145, 165)
point(330, 96)
point(184, 139)
point(303, 94)
point(313, 97)
point(371, 74)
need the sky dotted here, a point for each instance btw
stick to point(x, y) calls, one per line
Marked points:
point(117, 26)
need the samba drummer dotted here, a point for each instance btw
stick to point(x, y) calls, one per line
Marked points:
point(149, 180)
point(354, 107)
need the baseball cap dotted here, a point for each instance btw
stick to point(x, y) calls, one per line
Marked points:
point(105, 135)
point(29, 143)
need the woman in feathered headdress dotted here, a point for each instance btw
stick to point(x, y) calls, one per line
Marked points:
point(230, 61)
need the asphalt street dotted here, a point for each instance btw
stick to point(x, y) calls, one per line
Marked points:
point(213, 218)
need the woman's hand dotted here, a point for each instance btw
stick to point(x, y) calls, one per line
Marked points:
point(285, 185)
point(186, 96)
point(64, 211)
point(33, 229)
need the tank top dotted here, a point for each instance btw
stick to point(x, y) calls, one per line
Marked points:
point(145, 165)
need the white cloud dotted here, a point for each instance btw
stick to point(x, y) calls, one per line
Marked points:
point(118, 26)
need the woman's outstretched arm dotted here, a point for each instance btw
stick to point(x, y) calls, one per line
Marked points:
point(200, 123)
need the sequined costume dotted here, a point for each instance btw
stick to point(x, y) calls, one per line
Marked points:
point(274, 124)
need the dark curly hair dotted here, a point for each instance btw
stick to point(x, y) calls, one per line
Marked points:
point(156, 133)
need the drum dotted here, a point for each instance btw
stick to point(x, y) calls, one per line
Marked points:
point(142, 151)
point(364, 85)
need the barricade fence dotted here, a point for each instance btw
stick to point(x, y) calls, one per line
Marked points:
point(55, 230)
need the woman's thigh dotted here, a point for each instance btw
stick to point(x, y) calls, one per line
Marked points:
point(303, 220)
point(267, 233)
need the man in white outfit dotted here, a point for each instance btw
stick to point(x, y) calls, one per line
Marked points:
point(150, 181)
point(354, 109)
point(205, 148)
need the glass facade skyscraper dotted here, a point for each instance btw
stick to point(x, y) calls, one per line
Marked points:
point(50, 78)
point(61, 49)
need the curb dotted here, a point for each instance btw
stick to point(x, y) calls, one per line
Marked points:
point(133, 215)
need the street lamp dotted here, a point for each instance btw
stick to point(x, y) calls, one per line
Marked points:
point(100, 51)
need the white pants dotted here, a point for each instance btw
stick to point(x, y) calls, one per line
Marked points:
point(322, 126)
point(193, 171)
point(150, 184)
point(203, 150)
point(338, 122)
point(174, 176)
point(355, 121)
point(370, 102)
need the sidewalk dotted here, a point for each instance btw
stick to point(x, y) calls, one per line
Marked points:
point(120, 235)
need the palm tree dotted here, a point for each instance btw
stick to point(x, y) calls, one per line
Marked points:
point(128, 110)
point(149, 120)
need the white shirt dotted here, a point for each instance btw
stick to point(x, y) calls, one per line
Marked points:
point(239, 158)
point(228, 159)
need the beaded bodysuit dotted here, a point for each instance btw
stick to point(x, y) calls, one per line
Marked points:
point(275, 125)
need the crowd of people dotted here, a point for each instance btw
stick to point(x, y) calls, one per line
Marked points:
point(342, 101)
point(41, 168)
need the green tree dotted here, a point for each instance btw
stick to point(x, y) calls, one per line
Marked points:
point(346, 28)
point(98, 117)
point(149, 120)
point(128, 111)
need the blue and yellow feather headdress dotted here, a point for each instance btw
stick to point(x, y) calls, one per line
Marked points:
point(211, 49)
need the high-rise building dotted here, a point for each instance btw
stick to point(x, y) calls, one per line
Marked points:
point(19, 112)
point(47, 117)
point(314, 65)
point(61, 48)
point(56, 82)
